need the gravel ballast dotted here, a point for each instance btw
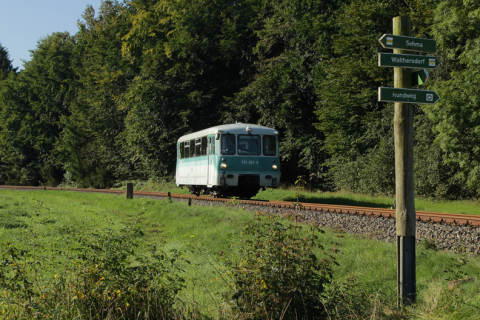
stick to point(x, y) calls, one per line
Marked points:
point(464, 239)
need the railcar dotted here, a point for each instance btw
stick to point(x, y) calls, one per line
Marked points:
point(229, 160)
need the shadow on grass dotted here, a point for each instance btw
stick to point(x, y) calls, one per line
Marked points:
point(340, 201)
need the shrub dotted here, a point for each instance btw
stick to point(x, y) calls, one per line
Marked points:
point(110, 285)
point(277, 275)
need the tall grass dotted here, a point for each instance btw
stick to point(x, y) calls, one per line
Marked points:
point(48, 231)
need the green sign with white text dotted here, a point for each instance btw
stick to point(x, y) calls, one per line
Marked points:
point(407, 95)
point(391, 41)
point(407, 61)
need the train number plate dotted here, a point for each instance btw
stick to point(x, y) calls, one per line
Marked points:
point(249, 162)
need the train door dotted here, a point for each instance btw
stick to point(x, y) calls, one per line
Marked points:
point(210, 157)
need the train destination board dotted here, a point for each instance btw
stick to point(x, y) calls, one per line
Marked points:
point(391, 41)
point(407, 95)
point(407, 61)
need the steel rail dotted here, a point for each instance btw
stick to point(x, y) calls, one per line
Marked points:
point(425, 216)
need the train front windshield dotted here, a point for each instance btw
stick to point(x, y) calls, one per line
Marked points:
point(248, 145)
point(269, 145)
point(228, 144)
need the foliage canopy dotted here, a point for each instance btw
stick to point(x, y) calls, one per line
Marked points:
point(109, 102)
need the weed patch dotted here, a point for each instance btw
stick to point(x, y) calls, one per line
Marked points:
point(277, 275)
point(104, 279)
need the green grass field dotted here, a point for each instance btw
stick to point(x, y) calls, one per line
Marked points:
point(53, 221)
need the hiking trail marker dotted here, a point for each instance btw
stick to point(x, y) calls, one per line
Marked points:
point(404, 97)
point(410, 61)
point(407, 95)
point(393, 41)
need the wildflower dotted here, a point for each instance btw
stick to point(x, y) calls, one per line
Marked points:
point(264, 284)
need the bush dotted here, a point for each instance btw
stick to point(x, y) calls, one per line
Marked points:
point(277, 274)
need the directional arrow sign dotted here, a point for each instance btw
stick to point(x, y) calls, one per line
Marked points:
point(391, 41)
point(407, 95)
point(419, 77)
point(407, 61)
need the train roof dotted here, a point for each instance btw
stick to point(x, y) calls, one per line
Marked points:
point(234, 128)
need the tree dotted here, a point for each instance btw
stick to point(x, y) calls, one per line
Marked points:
point(457, 114)
point(33, 104)
point(5, 63)
point(89, 147)
point(358, 129)
point(293, 41)
point(194, 55)
point(18, 157)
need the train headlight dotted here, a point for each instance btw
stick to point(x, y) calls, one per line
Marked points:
point(223, 165)
point(274, 167)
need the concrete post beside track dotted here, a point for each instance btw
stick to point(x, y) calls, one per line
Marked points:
point(129, 190)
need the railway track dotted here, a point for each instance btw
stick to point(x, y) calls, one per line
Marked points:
point(434, 217)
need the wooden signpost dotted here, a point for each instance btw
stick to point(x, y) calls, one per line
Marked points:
point(404, 97)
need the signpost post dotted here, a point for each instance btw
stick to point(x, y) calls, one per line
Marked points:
point(405, 206)
point(403, 96)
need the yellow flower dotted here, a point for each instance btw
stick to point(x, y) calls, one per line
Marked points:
point(264, 284)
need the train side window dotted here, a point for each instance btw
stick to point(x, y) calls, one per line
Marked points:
point(204, 146)
point(269, 145)
point(187, 149)
point(198, 147)
point(182, 150)
point(192, 148)
point(228, 143)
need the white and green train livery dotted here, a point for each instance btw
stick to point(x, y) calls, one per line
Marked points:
point(229, 160)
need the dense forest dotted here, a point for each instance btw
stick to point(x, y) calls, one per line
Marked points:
point(108, 103)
